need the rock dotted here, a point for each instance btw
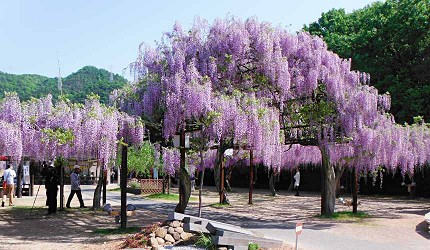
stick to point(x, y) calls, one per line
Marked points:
point(160, 241)
point(152, 235)
point(169, 238)
point(168, 243)
point(181, 224)
point(185, 235)
point(175, 223)
point(155, 248)
point(176, 236)
point(161, 232)
point(222, 248)
point(153, 242)
point(170, 230)
point(179, 229)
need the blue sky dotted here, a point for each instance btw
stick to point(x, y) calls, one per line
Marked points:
point(106, 34)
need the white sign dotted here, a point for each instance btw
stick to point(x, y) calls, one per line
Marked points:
point(299, 227)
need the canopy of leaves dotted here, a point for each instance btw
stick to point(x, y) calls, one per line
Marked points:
point(391, 41)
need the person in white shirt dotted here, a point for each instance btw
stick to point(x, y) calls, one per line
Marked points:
point(297, 182)
point(76, 187)
point(9, 176)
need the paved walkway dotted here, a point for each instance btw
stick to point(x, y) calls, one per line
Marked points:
point(396, 223)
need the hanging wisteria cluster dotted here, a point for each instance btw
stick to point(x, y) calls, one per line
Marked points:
point(41, 130)
point(267, 88)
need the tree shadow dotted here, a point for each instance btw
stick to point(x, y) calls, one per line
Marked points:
point(423, 230)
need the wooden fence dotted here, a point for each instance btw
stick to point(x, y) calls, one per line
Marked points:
point(150, 186)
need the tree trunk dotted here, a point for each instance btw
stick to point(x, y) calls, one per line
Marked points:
point(218, 172)
point(328, 185)
point(272, 182)
point(338, 172)
point(98, 191)
point(184, 180)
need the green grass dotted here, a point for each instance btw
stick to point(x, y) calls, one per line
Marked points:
point(169, 197)
point(219, 205)
point(346, 216)
point(115, 189)
point(205, 241)
point(109, 231)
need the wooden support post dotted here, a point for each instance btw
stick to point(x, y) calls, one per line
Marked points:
point(19, 182)
point(123, 184)
point(61, 185)
point(221, 186)
point(104, 186)
point(251, 176)
point(355, 191)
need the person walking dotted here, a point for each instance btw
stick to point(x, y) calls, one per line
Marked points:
point(76, 187)
point(9, 176)
point(297, 182)
point(51, 185)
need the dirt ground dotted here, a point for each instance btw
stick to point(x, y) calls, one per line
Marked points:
point(397, 218)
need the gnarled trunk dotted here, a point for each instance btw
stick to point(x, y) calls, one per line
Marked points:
point(98, 191)
point(184, 180)
point(219, 173)
point(272, 182)
point(328, 185)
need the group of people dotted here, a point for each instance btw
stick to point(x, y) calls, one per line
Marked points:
point(51, 184)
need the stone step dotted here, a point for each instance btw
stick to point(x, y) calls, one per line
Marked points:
point(195, 228)
point(238, 242)
point(213, 226)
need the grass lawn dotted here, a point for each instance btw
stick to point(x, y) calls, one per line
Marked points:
point(346, 216)
point(169, 197)
point(115, 189)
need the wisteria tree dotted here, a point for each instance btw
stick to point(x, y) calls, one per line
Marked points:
point(266, 89)
point(40, 130)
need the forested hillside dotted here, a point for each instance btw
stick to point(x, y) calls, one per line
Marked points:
point(76, 86)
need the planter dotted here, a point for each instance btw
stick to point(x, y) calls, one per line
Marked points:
point(134, 190)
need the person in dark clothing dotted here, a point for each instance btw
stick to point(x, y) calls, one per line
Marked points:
point(76, 187)
point(51, 185)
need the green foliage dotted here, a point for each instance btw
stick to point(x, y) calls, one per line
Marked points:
point(60, 136)
point(253, 246)
point(76, 86)
point(141, 159)
point(205, 241)
point(391, 41)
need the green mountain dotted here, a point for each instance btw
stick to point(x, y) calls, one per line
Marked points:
point(76, 86)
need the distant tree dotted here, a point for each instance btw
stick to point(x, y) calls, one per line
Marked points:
point(391, 41)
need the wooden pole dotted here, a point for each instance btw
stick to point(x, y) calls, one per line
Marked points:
point(221, 186)
point(104, 186)
point(61, 185)
point(124, 187)
point(251, 176)
point(355, 191)
point(182, 162)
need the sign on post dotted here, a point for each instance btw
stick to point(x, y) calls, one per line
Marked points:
point(299, 227)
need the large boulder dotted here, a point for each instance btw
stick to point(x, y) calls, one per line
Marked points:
point(161, 232)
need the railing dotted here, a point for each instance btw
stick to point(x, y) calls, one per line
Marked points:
point(149, 186)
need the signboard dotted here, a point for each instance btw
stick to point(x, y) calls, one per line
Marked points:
point(299, 227)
